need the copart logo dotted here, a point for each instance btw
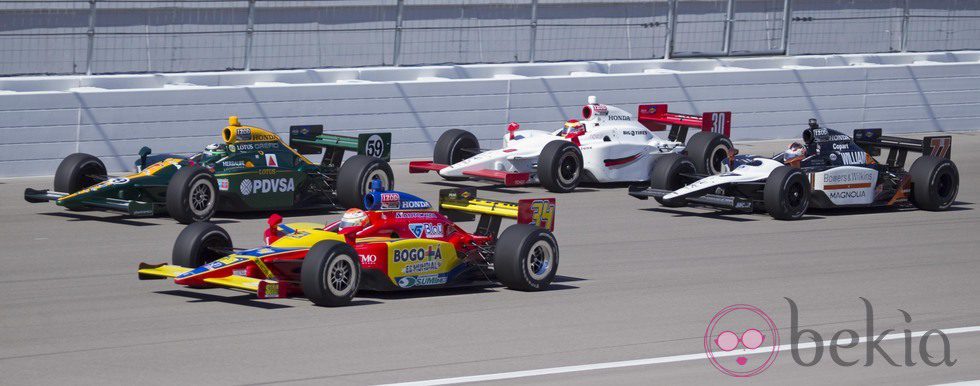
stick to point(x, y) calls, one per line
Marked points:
point(272, 185)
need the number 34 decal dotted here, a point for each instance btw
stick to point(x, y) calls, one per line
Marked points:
point(538, 212)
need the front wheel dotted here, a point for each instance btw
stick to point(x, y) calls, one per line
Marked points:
point(455, 145)
point(192, 195)
point(200, 243)
point(560, 166)
point(709, 151)
point(76, 172)
point(935, 182)
point(526, 258)
point(330, 273)
point(787, 193)
point(666, 175)
point(355, 177)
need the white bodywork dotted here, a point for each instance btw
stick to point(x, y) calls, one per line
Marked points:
point(744, 173)
point(843, 185)
point(611, 134)
point(847, 185)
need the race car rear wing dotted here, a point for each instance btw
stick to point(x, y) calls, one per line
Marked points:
point(657, 118)
point(310, 139)
point(872, 142)
point(461, 204)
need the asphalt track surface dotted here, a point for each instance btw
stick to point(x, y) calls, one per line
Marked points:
point(637, 282)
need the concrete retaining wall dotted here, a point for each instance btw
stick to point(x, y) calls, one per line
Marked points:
point(43, 119)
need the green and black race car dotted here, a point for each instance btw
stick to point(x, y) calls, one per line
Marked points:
point(252, 170)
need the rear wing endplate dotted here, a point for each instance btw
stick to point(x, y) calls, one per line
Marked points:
point(655, 117)
point(872, 142)
point(310, 139)
point(461, 204)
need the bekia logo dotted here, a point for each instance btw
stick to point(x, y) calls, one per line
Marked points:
point(745, 326)
point(742, 341)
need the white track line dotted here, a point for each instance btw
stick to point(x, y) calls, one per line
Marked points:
point(655, 361)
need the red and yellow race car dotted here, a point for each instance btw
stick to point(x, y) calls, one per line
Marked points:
point(399, 243)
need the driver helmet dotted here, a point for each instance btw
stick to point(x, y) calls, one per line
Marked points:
point(353, 217)
point(794, 150)
point(573, 126)
point(214, 150)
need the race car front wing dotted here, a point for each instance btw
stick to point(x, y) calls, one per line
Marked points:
point(714, 200)
point(131, 207)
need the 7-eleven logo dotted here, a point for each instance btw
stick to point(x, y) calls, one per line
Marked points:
point(271, 160)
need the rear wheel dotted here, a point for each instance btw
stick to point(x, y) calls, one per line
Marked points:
point(935, 182)
point(355, 177)
point(192, 195)
point(76, 172)
point(526, 258)
point(455, 145)
point(200, 243)
point(787, 193)
point(666, 175)
point(330, 273)
point(560, 166)
point(709, 151)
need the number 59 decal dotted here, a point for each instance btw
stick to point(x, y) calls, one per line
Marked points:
point(538, 212)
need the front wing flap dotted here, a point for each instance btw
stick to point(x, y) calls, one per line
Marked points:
point(263, 288)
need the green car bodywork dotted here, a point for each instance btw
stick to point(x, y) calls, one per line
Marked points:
point(252, 170)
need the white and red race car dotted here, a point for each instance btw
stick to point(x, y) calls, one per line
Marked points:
point(607, 145)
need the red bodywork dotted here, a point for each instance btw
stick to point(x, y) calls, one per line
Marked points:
point(283, 264)
point(656, 118)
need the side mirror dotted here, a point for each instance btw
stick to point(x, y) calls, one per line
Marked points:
point(144, 151)
point(350, 232)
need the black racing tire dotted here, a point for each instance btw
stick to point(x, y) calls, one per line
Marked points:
point(78, 171)
point(665, 174)
point(355, 176)
point(787, 193)
point(709, 151)
point(526, 258)
point(200, 243)
point(452, 147)
point(560, 166)
point(935, 182)
point(330, 274)
point(192, 195)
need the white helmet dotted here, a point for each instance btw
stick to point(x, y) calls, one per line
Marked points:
point(352, 217)
point(793, 151)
